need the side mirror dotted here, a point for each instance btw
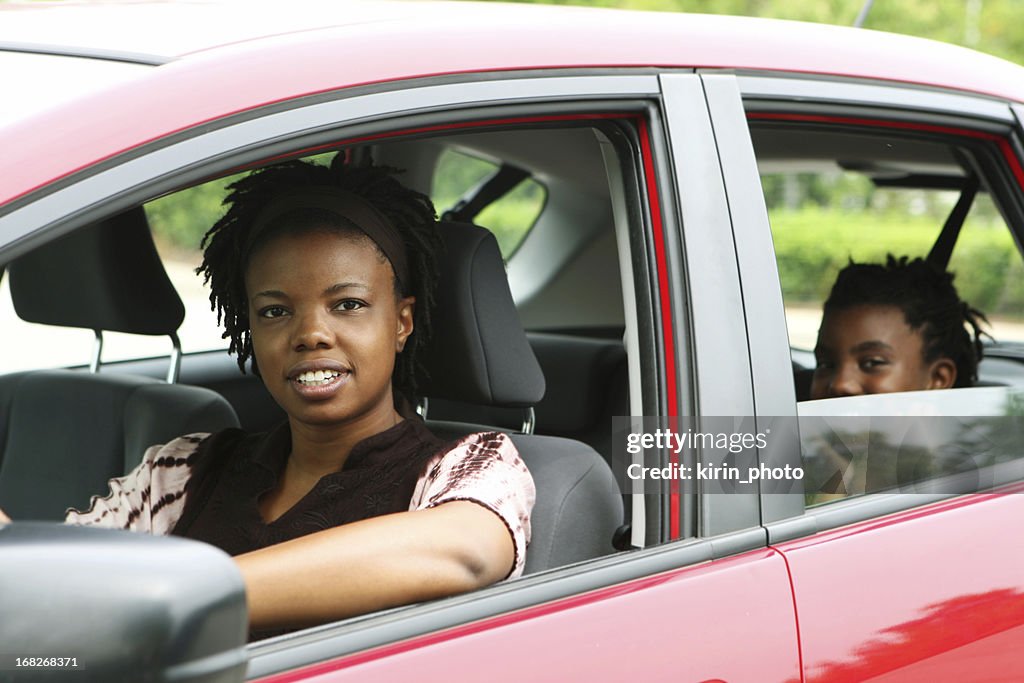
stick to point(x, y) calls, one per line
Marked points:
point(121, 606)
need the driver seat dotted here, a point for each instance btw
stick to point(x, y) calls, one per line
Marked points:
point(479, 354)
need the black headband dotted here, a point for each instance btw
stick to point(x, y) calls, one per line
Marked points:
point(359, 212)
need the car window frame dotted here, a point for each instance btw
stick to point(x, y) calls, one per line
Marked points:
point(785, 516)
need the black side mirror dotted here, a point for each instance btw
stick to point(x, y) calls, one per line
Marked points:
point(104, 605)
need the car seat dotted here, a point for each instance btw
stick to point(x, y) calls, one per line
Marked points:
point(64, 433)
point(479, 354)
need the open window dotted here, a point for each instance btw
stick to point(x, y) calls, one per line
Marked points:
point(837, 192)
point(564, 228)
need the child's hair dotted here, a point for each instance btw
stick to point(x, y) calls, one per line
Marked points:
point(228, 245)
point(929, 302)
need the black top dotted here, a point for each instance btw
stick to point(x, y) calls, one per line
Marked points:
point(235, 469)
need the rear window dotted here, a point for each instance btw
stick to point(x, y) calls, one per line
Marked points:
point(509, 217)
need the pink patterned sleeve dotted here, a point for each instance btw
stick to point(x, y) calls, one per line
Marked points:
point(486, 469)
point(151, 497)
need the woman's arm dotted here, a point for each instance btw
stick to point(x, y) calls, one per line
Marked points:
point(375, 564)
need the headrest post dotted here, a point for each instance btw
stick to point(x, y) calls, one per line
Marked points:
point(175, 369)
point(422, 406)
point(529, 422)
point(97, 351)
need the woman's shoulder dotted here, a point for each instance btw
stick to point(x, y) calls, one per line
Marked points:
point(148, 497)
point(484, 468)
point(177, 451)
point(482, 461)
point(463, 451)
point(187, 450)
point(495, 444)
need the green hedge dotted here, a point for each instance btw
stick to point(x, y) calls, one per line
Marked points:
point(812, 244)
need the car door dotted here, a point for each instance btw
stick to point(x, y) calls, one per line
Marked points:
point(921, 579)
point(698, 583)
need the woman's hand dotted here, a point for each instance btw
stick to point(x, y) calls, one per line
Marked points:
point(377, 563)
point(4, 517)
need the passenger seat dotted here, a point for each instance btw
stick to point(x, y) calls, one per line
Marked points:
point(64, 433)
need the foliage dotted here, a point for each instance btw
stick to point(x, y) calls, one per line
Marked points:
point(181, 219)
point(812, 244)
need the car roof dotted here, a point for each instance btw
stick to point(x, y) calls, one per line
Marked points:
point(160, 30)
point(523, 35)
point(229, 56)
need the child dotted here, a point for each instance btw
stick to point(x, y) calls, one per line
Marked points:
point(895, 327)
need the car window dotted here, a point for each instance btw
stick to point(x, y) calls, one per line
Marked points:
point(575, 298)
point(865, 222)
point(836, 195)
point(592, 359)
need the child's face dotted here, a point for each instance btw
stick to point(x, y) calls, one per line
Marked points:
point(870, 349)
point(322, 301)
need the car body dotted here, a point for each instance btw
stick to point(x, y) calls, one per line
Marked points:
point(647, 132)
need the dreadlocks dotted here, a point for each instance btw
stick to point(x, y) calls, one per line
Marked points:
point(228, 245)
point(929, 302)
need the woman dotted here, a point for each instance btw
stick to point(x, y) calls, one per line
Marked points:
point(323, 278)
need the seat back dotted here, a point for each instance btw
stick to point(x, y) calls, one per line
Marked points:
point(64, 433)
point(587, 384)
point(480, 355)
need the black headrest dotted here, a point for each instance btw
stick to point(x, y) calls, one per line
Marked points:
point(106, 276)
point(479, 352)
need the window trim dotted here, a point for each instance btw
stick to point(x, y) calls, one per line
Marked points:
point(709, 289)
point(773, 391)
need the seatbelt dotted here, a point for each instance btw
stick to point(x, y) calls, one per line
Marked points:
point(943, 247)
point(500, 183)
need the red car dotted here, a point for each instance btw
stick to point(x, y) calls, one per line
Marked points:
point(669, 193)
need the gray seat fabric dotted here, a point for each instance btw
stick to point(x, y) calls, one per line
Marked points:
point(115, 273)
point(479, 354)
point(586, 382)
point(64, 433)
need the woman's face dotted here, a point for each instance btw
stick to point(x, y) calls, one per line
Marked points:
point(870, 349)
point(326, 325)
